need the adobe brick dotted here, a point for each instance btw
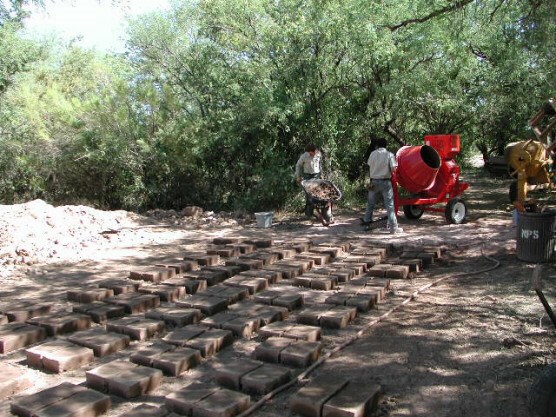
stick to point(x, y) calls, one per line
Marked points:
point(354, 400)
point(211, 341)
point(177, 361)
point(102, 342)
point(31, 405)
point(373, 251)
point(153, 274)
point(376, 294)
point(181, 336)
point(271, 314)
point(357, 268)
point(414, 265)
point(303, 332)
point(221, 403)
point(59, 356)
point(379, 282)
point(283, 253)
point(286, 272)
point(362, 302)
point(324, 283)
point(137, 328)
point(242, 326)
point(302, 281)
point(333, 252)
point(61, 322)
point(245, 248)
point(123, 379)
point(145, 355)
point(203, 259)
point(210, 276)
point(318, 259)
point(168, 293)
point(252, 284)
point(269, 350)
point(24, 310)
point(134, 303)
point(398, 271)
point(302, 265)
point(289, 301)
point(311, 315)
point(229, 293)
point(81, 404)
point(271, 276)
point(300, 354)
point(337, 299)
point(119, 286)
point(182, 266)
point(268, 257)
point(183, 400)
point(217, 320)
point(260, 243)
point(370, 288)
point(16, 335)
point(89, 295)
point(277, 328)
point(264, 379)
point(174, 316)
point(266, 297)
point(338, 317)
point(310, 399)
point(224, 251)
point(379, 270)
point(207, 304)
point(230, 270)
point(228, 374)
point(100, 312)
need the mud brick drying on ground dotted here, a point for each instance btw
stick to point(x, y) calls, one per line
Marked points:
point(280, 302)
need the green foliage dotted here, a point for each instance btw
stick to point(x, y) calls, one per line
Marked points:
point(215, 99)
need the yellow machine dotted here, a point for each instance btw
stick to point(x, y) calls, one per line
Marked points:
point(530, 161)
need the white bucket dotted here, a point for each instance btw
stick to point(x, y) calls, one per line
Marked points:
point(264, 219)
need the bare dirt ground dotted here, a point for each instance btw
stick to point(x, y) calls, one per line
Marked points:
point(469, 346)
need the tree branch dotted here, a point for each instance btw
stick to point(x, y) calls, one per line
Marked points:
point(459, 4)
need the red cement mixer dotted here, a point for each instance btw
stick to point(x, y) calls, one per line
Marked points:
point(430, 175)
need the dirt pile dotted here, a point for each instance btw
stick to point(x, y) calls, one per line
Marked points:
point(37, 232)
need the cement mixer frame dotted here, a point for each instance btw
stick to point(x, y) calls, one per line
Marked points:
point(433, 180)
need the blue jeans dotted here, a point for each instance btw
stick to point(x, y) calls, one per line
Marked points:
point(382, 188)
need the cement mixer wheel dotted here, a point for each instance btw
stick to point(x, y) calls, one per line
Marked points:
point(413, 212)
point(456, 211)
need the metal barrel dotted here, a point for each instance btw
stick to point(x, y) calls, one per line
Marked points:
point(535, 240)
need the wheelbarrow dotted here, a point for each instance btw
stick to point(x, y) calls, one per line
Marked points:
point(321, 194)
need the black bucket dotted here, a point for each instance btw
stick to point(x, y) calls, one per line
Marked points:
point(535, 236)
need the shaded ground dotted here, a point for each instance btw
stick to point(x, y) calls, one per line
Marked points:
point(470, 346)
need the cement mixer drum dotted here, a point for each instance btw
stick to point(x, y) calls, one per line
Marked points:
point(417, 167)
